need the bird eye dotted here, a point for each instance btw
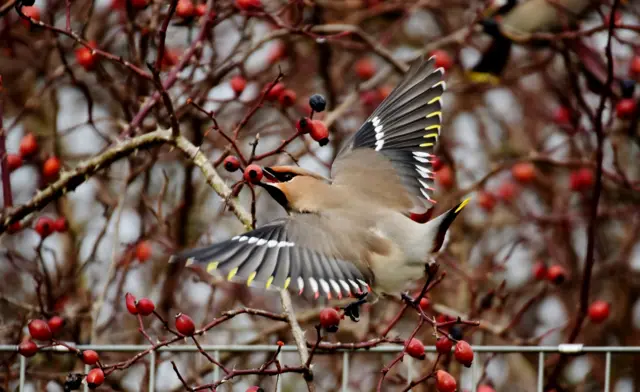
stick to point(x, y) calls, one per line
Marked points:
point(287, 176)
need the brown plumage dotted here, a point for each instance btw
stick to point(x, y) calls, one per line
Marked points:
point(351, 232)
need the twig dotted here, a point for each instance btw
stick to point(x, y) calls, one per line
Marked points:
point(6, 179)
point(298, 336)
point(175, 125)
point(70, 180)
point(597, 190)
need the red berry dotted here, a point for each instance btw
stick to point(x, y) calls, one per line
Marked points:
point(253, 173)
point(581, 180)
point(51, 168)
point(626, 108)
point(562, 115)
point(249, 5)
point(443, 345)
point(287, 98)
point(329, 319)
point(33, 12)
point(44, 226)
point(599, 311)
point(280, 343)
point(201, 9)
point(90, 357)
point(139, 4)
point(145, 306)
point(424, 303)
point(415, 348)
point(184, 324)
point(56, 323)
point(238, 83)
point(436, 163)
point(370, 98)
point(117, 5)
point(275, 91)
point(384, 91)
point(130, 301)
point(539, 270)
point(255, 389)
point(185, 9)
point(231, 163)
point(95, 378)
point(486, 201)
point(39, 330)
point(60, 225)
point(444, 177)
point(319, 132)
point(634, 66)
point(14, 161)
point(28, 145)
point(463, 353)
point(507, 191)
point(85, 56)
point(14, 227)
point(143, 251)
point(485, 388)
point(445, 382)
point(523, 171)
point(556, 274)
point(442, 59)
point(27, 348)
point(169, 58)
point(365, 68)
point(303, 125)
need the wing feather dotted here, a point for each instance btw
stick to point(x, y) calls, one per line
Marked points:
point(404, 130)
point(300, 253)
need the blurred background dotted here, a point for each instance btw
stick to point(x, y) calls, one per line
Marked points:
point(539, 92)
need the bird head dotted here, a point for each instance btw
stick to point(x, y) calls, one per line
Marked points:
point(292, 186)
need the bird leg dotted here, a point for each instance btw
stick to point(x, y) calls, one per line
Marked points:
point(353, 309)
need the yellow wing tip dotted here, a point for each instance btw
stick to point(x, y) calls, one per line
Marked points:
point(251, 277)
point(462, 205)
point(269, 281)
point(232, 273)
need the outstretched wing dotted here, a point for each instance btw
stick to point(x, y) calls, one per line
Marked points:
point(405, 129)
point(290, 253)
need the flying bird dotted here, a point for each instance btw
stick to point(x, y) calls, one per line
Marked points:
point(351, 234)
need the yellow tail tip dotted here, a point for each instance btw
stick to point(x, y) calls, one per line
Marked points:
point(462, 205)
point(483, 77)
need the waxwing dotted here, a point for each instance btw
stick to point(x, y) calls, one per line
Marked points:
point(351, 233)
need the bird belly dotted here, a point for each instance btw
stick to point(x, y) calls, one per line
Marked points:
point(392, 271)
point(392, 277)
point(403, 258)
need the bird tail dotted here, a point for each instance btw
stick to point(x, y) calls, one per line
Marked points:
point(440, 225)
point(492, 63)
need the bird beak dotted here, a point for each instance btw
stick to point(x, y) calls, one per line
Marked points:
point(269, 174)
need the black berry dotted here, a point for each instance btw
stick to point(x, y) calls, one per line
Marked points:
point(456, 332)
point(627, 88)
point(317, 103)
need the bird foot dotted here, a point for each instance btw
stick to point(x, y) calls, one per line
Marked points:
point(353, 309)
point(409, 300)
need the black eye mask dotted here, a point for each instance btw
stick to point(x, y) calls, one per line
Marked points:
point(276, 194)
point(279, 176)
